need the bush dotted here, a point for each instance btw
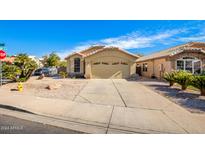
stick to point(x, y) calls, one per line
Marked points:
point(52, 60)
point(10, 71)
point(170, 77)
point(26, 65)
point(198, 81)
point(183, 78)
point(22, 79)
point(63, 74)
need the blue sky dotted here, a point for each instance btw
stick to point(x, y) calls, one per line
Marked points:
point(63, 37)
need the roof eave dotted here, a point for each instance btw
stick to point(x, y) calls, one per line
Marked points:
point(74, 53)
point(170, 55)
point(139, 61)
point(97, 51)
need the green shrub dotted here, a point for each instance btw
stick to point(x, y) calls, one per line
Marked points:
point(170, 77)
point(22, 67)
point(183, 78)
point(22, 79)
point(26, 65)
point(63, 74)
point(10, 71)
point(198, 81)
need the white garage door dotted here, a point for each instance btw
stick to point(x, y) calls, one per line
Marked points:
point(105, 70)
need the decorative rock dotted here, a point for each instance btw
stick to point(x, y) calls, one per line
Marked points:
point(53, 86)
point(134, 77)
point(41, 76)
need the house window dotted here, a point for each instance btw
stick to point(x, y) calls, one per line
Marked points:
point(190, 64)
point(180, 65)
point(77, 65)
point(144, 67)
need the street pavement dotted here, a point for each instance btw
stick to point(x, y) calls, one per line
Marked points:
point(13, 125)
point(110, 106)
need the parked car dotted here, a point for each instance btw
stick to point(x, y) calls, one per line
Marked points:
point(47, 71)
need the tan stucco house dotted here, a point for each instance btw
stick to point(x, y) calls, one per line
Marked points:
point(102, 62)
point(189, 57)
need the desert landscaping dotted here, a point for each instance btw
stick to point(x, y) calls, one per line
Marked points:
point(103, 106)
point(78, 90)
point(49, 87)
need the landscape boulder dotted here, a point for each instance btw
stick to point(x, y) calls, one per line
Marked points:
point(53, 86)
point(134, 77)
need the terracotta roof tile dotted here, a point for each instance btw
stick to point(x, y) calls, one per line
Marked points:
point(95, 49)
point(195, 46)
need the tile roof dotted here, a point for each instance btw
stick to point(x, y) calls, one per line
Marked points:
point(95, 49)
point(8, 59)
point(195, 46)
point(91, 49)
point(86, 52)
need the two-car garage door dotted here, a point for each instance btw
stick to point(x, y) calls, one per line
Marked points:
point(113, 68)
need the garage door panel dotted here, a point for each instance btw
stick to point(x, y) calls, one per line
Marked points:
point(110, 71)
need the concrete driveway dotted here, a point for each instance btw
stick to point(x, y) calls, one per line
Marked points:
point(120, 92)
point(113, 106)
point(137, 108)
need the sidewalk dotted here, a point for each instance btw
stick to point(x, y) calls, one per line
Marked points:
point(98, 118)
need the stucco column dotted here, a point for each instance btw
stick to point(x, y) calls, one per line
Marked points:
point(153, 68)
point(132, 66)
point(68, 66)
point(88, 73)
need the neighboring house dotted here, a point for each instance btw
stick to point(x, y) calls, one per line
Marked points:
point(102, 62)
point(9, 60)
point(37, 60)
point(189, 57)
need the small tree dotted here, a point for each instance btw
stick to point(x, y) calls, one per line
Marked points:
point(10, 71)
point(198, 81)
point(170, 77)
point(183, 78)
point(26, 65)
point(63, 63)
point(63, 74)
point(52, 60)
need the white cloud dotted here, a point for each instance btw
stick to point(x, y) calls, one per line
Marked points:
point(64, 53)
point(193, 38)
point(134, 40)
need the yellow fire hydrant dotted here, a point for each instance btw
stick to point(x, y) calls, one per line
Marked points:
point(20, 86)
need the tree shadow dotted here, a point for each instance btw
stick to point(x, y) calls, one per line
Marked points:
point(13, 89)
point(189, 100)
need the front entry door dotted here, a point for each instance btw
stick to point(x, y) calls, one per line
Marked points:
point(138, 70)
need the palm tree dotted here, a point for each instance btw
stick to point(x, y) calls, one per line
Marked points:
point(198, 81)
point(183, 78)
point(170, 77)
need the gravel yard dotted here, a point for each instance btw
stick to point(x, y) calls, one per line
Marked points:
point(189, 99)
point(69, 88)
point(61, 88)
